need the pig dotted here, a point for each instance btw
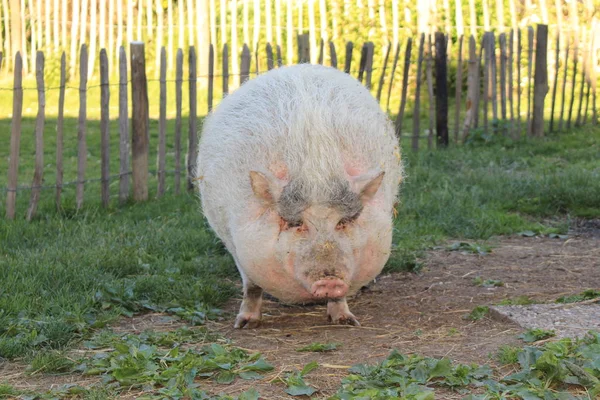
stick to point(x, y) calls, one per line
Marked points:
point(298, 174)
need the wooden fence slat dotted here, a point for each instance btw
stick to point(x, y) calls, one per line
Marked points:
point(192, 119)
point(394, 65)
point(417, 105)
point(593, 76)
point(178, 106)
point(270, 63)
point(303, 49)
point(541, 80)
point(60, 123)
point(383, 70)
point(279, 59)
point(15, 137)
point(321, 52)
point(363, 62)
point(348, 60)
point(225, 70)
point(441, 82)
point(479, 94)
point(486, 79)
point(574, 80)
point(332, 54)
point(139, 122)
point(400, 116)
point(124, 145)
point(529, 76)
point(564, 86)
point(511, 62)
point(257, 64)
point(369, 65)
point(162, 124)
point(245, 65)
point(555, 86)
point(459, 85)
point(430, 95)
point(104, 127)
point(39, 137)
point(578, 121)
point(81, 131)
point(519, 86)
point(472, 88)
point(493, 75)
point(211, 76)
point(503, 62)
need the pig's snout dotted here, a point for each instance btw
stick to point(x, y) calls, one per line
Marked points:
point(329, 288)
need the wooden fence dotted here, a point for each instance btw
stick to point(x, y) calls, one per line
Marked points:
point(487, 86)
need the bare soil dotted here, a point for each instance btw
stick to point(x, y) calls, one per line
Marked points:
point(414, 313)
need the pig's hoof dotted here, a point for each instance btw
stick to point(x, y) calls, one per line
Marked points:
point(343, 319)
point(247, 320)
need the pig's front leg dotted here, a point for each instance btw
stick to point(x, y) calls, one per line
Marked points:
point(250, 313)
point(339, 313)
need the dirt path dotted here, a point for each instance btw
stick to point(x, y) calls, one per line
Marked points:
point(413, 313)
point(423, 313)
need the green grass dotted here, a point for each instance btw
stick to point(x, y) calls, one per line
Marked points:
point(69, 272)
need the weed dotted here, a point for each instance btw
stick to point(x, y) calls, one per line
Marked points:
point(534, 335)
point(585, 295)
point(50, 361)
point(517, 301)
point(319, 347)
point(488, 283)
point(508, 355)
point(478, 313)
point(295, 381)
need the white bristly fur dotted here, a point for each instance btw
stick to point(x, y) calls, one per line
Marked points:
point(312, 118)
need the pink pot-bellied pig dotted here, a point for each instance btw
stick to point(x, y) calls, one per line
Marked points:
point(298, 172)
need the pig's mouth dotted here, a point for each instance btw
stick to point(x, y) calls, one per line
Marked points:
point(329, 288)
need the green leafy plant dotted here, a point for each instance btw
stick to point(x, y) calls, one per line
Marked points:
point(478, 313)
point(534, 335)
point(296, 386)
point(488, 283)
point(517, 301)
point(319, 347)
point(469, 248)
point(585, 295)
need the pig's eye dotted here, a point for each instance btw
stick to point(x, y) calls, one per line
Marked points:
point(344, 222)
point(295, 224)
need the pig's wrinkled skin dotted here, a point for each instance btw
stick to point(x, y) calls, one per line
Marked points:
point(298, 172)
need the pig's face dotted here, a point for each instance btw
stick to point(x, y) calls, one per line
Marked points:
point(319, 243)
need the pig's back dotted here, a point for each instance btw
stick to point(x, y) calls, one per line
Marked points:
point(313, 119)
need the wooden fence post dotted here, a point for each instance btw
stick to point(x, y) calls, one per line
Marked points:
point(417, 106)
point(486, 78)
point(574, 81)
point(383, 69)
point(162, 123)
point(104, 127)
point(519, 86)
point(245, 65)
point(541, 80)
point(369, 64)
point(394, 65)
point(123, 129)
point(270, 63)
point(225, 70)
point(511, 48)
point(81, 132)
point(211, 76)
point(15, 137)
point(472, 88)
point(441, 84)
point(400, 116)
point(503, 62)
point(459, 86)
point(39, 137)
point(178, 106)
point(584, 51)
point(564, 87)
point(348, 60)
point(332, 54)
point(321, 52)
point(493, 75)
point(192, 120)
point(279, 59)
point(554, 89)
point(430, 94)
point(60, 129)
point(363, 62)
point(529, 76)
point(139, 122)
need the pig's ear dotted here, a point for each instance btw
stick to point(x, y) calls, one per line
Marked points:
point(264, 187)
point(368, 184)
